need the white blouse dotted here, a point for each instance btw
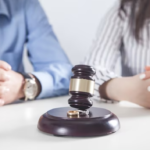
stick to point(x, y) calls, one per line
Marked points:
point(114, 40)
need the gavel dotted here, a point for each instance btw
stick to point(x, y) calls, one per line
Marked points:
point(81, 119)
point(82, 88)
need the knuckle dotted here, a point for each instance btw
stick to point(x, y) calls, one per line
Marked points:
point(4, 65)
point(2, 76)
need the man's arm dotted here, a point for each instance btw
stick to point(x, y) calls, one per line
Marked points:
point(51, 65)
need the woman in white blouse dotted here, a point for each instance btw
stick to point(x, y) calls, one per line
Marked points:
point(125, 32)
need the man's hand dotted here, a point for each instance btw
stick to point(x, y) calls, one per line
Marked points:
point(5, 66)
point(11, 84)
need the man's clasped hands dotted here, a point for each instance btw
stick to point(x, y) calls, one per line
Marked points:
point(11, 84)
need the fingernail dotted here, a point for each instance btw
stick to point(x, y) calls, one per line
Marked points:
point(2, 102)
point(142, 76)
point(148, 89)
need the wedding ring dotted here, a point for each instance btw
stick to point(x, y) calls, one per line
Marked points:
point(78, 112)
point(73, 113)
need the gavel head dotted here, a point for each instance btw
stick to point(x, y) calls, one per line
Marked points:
point(82, 87)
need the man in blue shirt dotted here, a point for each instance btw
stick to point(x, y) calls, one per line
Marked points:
point(24, 22)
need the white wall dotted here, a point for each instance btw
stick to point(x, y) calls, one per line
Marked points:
point(75, 23)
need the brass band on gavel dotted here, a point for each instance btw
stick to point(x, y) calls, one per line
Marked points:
point(82, 85)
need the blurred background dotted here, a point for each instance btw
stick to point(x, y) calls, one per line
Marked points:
point(75, 23)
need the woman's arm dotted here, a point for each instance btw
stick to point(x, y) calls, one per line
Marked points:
point(132, 89)
point(103, 58)
point(106, 49)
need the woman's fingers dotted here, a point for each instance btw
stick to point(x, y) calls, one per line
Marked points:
point(147, 68)
point(145, 75)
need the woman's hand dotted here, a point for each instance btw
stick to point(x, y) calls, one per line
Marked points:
point(131, 89)
point(145, 75)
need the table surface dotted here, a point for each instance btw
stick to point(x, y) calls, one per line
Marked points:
point(18, 128)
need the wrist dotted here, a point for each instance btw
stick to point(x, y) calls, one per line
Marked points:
point(21, 92)
point(30, 88)
point(118, 89)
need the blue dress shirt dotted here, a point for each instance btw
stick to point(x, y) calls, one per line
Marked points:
point(24, 22)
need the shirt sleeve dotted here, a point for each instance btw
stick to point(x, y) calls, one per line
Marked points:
point(106, 49)
point(51, 65)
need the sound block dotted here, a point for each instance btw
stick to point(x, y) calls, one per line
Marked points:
point(99, 122)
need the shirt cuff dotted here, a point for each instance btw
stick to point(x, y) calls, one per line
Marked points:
point(46, 81)
point(100, 81)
